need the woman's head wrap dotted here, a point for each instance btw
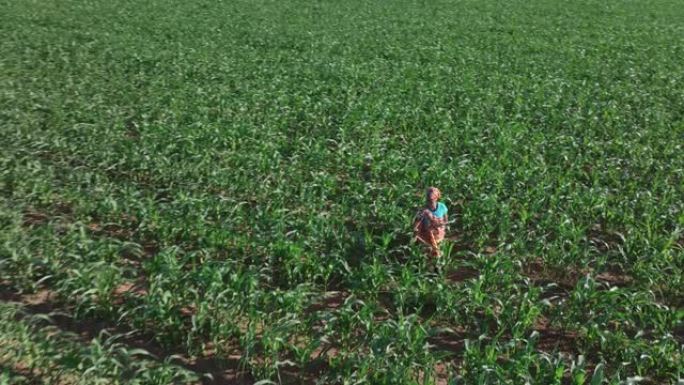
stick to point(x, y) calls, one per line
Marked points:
point(434, 190)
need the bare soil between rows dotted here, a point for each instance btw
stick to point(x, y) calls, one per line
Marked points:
point(223, 370)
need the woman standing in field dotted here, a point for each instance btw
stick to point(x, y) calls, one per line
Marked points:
point(430, 222)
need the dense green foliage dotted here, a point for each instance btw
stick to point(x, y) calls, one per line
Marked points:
point(240, 163)
point(31, 342)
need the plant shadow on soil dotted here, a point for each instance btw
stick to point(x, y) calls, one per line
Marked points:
point(223, 371)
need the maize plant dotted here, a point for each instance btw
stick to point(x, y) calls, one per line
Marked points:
point(231, 184)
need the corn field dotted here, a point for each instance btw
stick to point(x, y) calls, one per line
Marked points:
point(221, 192)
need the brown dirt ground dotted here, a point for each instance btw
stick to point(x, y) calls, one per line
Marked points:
point(224, 370)
point(462, 273)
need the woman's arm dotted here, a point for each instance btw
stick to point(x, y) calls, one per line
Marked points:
point(416, 225)
point(417, 221)
point(428, 214)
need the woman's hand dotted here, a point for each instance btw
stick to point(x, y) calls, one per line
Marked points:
point(428, 214)
point(433, 221)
